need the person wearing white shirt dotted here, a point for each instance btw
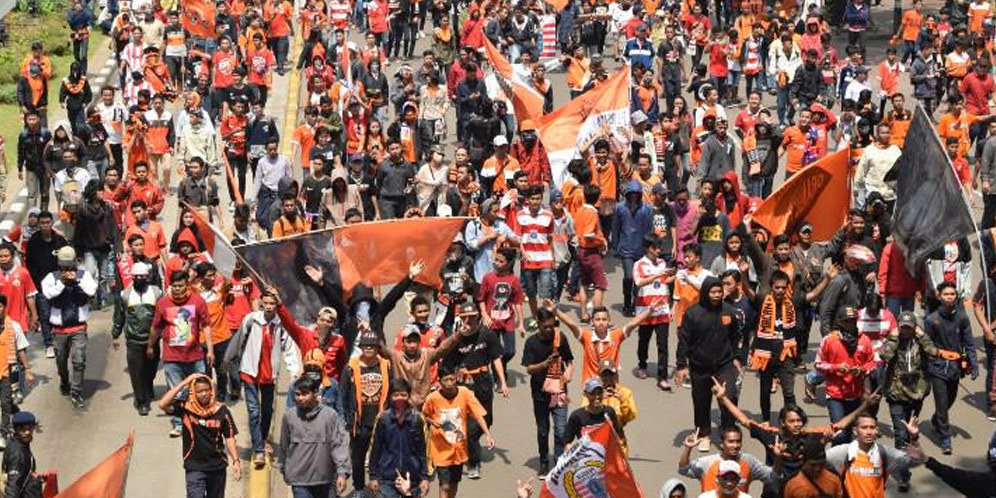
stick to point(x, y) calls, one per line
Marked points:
point(857, 85)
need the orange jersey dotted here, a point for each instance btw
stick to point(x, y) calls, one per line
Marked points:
point(596, 350)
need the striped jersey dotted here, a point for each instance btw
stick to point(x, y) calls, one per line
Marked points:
point(535, 232)
point(646, 295)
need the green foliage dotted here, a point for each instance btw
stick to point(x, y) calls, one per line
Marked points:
point(50, 28)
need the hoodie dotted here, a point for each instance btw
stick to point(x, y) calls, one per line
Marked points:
point(630, 224)
point(709, 335)
point(274, 210)
point(314, 446)
point(670, 486)
point(336, 206)
point(735, 204)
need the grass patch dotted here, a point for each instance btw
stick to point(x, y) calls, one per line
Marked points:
point(51, 28)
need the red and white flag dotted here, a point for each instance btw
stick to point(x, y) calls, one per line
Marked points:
point(514, 82)
point(601, 110)
point(594, 467)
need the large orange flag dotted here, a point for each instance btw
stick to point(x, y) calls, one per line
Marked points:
point(526, 101)
point(594, 467)
point(379, 253)
point(601, 110)
point(819, 194)
point(107, 479)
point(198, 18)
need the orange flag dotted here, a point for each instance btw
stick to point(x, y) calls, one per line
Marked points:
point(603, 109)
point(558, 4)
point(216, 244)
point(526, 101)
point(593, 467)
point(198, 18)
point(107, 479)
point(819, 194)
point(379, 253)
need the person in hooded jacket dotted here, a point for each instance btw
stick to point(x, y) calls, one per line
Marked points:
point(633, 220)
point(808, 82)
point(314, 445)
point(339, 199)
point(398, 446)
point(848, 288)
point(95, 236)
point(731, 200)
point(708, 343)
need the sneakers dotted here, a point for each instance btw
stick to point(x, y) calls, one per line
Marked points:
point(18, 397)
point(705, 445)
point(474, 472)
point(64, 390)
point(176, 431)
point(640, 373)
point(50, 351)
point(629, 312)
point(991, 417)
point(810, 392)
point(143, 410)
point(687, 384)
point(544, 469)
point(663, 385)
point(77, 401)
point(904, 487)
point(258, 461)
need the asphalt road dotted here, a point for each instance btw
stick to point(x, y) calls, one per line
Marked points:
point(72, 441)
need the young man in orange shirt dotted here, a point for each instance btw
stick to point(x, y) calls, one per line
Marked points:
point(911, 25)
point(447, 412)
point(214, 291)
point(592, 247)
point(601, 342)
point(798, 143)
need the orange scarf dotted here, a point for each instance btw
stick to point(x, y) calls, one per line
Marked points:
point(768, 337)
point(191, 405)
point(37, 89)
point(8, 347)
point(74, 88)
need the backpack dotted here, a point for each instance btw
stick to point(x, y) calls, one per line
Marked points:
point(72, 196)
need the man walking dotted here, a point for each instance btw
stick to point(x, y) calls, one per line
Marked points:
point(133, 314)
point(69, 290)
point(314, 445)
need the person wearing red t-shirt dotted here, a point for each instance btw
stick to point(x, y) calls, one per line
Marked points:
point(139, 187)
point(278, 14)
point(718, 67)
point(224, 62)
point(20, 290)
point(377, 11)
point(234, 134)
point(261, 62)
point(500, 300)
point(257, 348)
point(181, 321)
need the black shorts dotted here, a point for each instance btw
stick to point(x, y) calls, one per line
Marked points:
point(449, 475)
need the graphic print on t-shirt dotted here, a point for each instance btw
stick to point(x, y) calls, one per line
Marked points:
point(451, 421)
point(182, 326)
point(503, 294)
point(370, 387)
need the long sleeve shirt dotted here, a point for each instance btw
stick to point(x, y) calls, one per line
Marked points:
point(269, 171)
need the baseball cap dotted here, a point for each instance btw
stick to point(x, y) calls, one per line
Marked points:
point(500, 140)
point(66, 256)
point(607, 365)
point(658, 189)
point(593, 383)
point(728, 466)
point(638, 117)
point(356, 158)
point(23, 418)
point(410, 330)
point(556, 196)
point(368, 339)
point(527, 125)
point(907, 319)
point(466, 309)
point(438, 148)
point(806, 228)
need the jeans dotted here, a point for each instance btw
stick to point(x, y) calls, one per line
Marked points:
point(225, 380)
point(561, 275)
point(945, 394)
point(239, 165)
point(392, 207)
point(785, 110)
point(659, 330)
point(627, 282)
point(202, 484)
point(175, 372)
point(100, 263)
point(38, 189)
point(759, 186)
point(280, 47)
point(7, 406)
point(909, 50)
point(142, 373)
point(359, 445)
point(80, 49)
point(508, 344)
point(902, 411)
point(782, 370)
point(537, 283)
point(44, 314)
point(71, 347)
point(899, 304)
point(259, 404)
point(839, 408)
point(543, 412)
point(317, 491)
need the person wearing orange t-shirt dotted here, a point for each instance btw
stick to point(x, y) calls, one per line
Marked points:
point(591, 249)
point(447, 411)
point(278, 15)
point(214, 291)
point(956, 123)
point(602, 341)
point(865, 464)
point(910, 28)
point(797, 144)
point(888, 74)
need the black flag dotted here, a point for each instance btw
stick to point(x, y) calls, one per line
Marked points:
point(930, 209)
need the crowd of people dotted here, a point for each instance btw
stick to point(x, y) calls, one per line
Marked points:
point(669, 205)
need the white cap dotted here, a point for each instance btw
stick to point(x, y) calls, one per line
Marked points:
point(140, 269)
point(500, 140)
point(728, 466)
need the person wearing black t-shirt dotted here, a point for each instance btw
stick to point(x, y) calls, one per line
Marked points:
point(358, 176)
point(548, 359)
point(208, 436)
point(478, 350)
point(312, 189)
point(592, 414)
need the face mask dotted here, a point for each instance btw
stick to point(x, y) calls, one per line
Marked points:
point(810, 65)
point(529, 137)
point(400, 407)
point(450, 395)
point(141, 284)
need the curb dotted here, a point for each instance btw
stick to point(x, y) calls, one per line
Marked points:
point(15, 212)
point(293, 100)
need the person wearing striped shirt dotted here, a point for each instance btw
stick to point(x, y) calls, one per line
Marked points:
point(534, 233)
point(653, 278)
